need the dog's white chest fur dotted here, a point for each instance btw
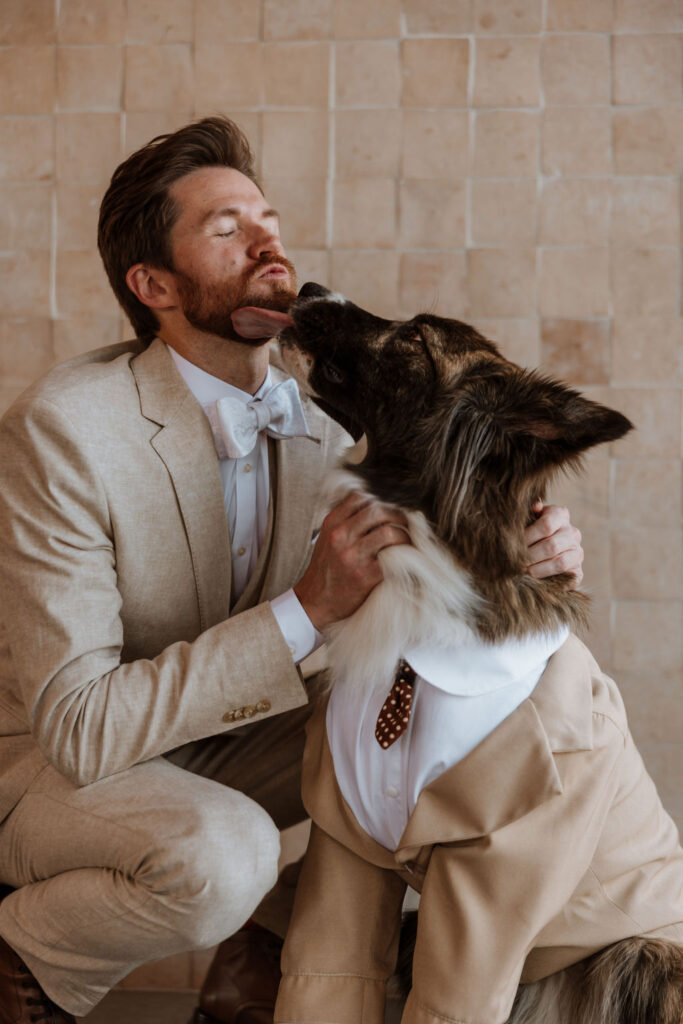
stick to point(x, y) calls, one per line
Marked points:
point(424, 598)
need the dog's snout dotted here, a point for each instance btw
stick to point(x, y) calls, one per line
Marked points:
point(311, 290)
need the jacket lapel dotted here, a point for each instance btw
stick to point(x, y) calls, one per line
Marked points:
point(185, 445)
point(296, 473)
point(513, 769)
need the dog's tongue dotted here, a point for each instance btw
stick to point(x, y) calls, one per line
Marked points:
point(254, 322)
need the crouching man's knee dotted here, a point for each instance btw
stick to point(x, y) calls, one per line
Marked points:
point(213, 876)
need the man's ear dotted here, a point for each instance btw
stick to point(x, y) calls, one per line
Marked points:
point(154, 288)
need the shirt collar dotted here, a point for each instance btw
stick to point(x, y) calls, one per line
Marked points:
point(477, 668)
point(207, 389)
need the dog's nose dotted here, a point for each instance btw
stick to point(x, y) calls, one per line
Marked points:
point(311, 290)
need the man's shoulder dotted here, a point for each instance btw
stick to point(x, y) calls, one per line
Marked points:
point(88, 383)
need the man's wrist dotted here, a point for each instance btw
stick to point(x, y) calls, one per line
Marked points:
point(300, 634)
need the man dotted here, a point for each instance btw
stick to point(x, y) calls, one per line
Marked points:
point(159, 588)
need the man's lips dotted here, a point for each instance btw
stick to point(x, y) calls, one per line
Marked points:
point(274, 270)
point(255, 322)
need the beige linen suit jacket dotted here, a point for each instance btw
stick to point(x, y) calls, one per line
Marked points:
point(116, 643)
point(546, 843)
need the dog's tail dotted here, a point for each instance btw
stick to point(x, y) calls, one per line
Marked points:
point(636, 981)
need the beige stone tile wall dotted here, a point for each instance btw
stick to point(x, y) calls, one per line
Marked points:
point(516, 164)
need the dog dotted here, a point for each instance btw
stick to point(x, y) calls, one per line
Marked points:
point(547, 902)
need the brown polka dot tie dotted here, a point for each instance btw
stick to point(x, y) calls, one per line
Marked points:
point(392, 720)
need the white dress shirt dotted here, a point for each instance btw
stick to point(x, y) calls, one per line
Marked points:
point(246, 493)
point(461, 694)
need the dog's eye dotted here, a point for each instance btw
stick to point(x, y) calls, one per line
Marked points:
point(331, 373)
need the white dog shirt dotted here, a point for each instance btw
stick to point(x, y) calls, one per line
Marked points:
point(461, 694)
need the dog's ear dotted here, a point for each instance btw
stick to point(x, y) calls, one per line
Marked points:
point(560, 421)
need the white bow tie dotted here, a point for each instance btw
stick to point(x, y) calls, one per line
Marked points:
point(236, 425)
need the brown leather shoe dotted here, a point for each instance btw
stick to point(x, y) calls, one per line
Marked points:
point(242, 982)
point(22, 1000)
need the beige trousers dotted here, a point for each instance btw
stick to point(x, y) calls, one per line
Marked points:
point(171, 855)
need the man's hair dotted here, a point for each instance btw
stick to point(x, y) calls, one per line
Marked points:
point(137, 212)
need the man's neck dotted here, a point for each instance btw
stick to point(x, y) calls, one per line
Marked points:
point(243, 366)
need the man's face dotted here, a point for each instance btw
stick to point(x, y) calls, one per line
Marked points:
point(227, 251)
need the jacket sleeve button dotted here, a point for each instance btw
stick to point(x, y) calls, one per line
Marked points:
point(263, 705)
point(229, 716)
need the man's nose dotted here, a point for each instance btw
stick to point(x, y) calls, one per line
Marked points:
point(263, 239)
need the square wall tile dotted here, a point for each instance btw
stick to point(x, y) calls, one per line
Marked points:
point(433, 282)
point(575, 69)
point(577, 140)
point(647, 563)
point(503, 212)
point(579, 15)
point(25, 216)
point(516, 338)
point(508, 17)
point(295, 144)
point(311, 265)
point(432, 214)
point(76, 335)
point(84, 22)
point(82, 286)
point(369, 279)
point(647, 69)
point(575, 211)
point(364, 213)
point(160, 21)
point(506, 144)
point(367, 143)
point(28, 151)
point(296, 74)
point(88, 147)
point(506, 72)
point(78, 208)
point(301, 203)
point(27, 80)
point(655, 709)
point(441, 17)
point(656, 416)
point(574, 283)
point(25, 24)
point(647, 492)
point(577, 351)
point(368, 73)
point(228, 77)
point(158, 77)
point(435, 144)
point(502, 282)
point(645, 212)
point(25, 283)
point(648, 635)
point(364, 19)
point(654, 16)
point(226, 20)
point(435, 72)
point(26, 350)
point(645, 282)
point(297, 19)
point(89, 77)
point(648, 141)
point(647, 350)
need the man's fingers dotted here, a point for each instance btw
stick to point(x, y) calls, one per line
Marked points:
point(382, 537)
point(566, 539)
point(551, 519)
point(566, 561)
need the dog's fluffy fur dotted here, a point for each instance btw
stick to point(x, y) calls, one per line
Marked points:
point(464, 442)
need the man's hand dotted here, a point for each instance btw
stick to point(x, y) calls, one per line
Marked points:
point(344, 567)
point(554, 544)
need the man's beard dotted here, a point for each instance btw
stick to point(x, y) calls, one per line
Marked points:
point(208, 308)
